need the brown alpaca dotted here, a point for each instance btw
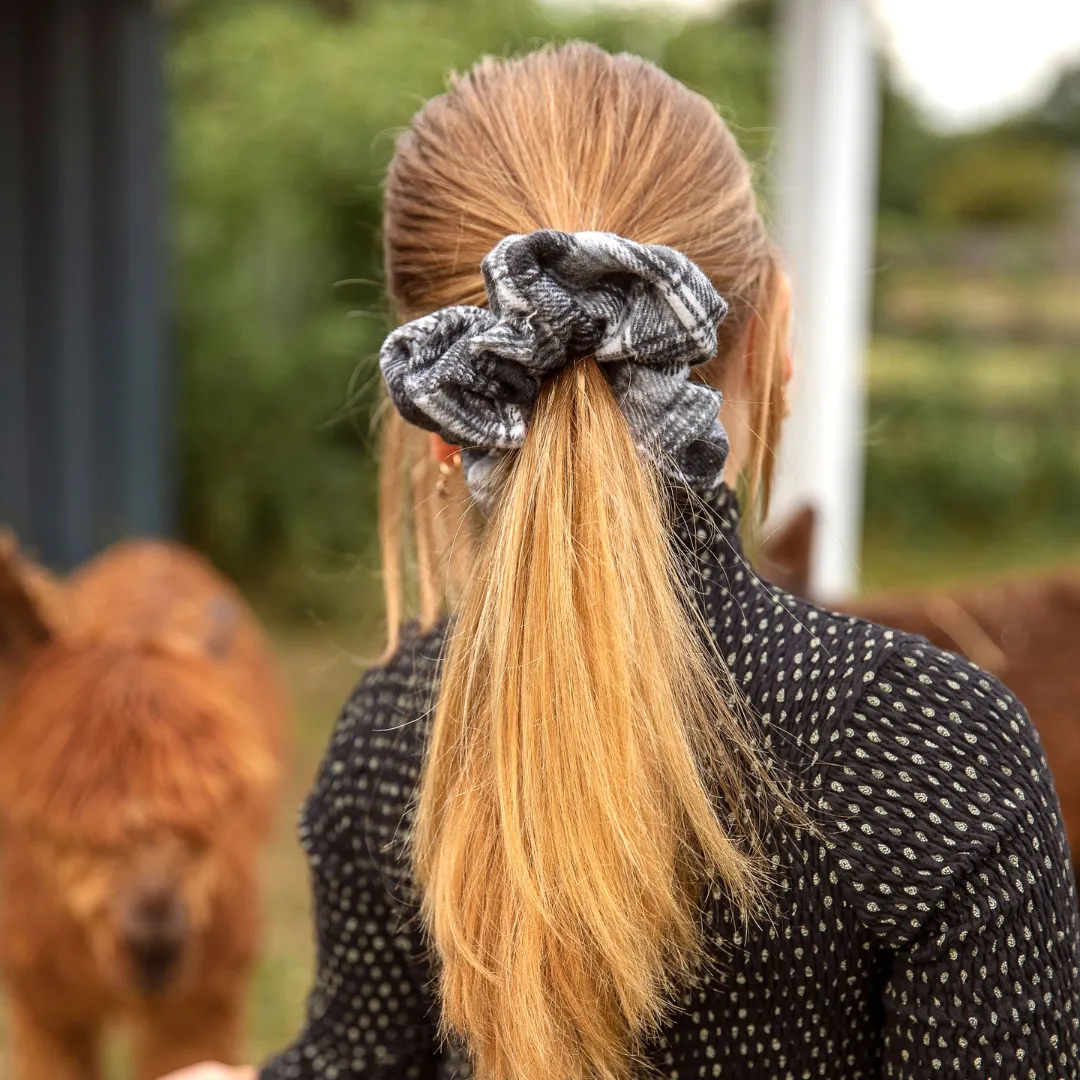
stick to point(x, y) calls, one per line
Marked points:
point(141, 736)
point(1026, 631)
point(784, 556)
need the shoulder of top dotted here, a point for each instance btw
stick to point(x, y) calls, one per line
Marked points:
point(767, 615)
point(935, 767)
point(801, 667)
point(862, 658)
point(925, 713)
point(930, 693)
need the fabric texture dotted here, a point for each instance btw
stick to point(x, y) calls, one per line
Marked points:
point(645, 312)
point(928, 927)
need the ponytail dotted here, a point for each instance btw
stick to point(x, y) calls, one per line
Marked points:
point(587, 773)
point(565, 824)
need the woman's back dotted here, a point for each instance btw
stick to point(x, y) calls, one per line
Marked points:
point(925, 925)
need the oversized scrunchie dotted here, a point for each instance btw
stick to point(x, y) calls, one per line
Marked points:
point(646, 313)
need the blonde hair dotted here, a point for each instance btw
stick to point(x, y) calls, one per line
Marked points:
point(585, 746)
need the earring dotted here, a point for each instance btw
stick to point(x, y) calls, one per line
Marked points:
point(446, 467)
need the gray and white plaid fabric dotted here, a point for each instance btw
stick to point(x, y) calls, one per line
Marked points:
point(645, 312)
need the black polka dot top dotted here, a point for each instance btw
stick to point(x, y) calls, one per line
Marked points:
point(928, 928)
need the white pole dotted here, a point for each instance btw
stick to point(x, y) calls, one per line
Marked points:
point(826, 200)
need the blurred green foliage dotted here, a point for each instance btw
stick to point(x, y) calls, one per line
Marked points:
point(284, 118)
point(1057, 116)
point(994, 179)
point(910, 152)
point(1010, 173)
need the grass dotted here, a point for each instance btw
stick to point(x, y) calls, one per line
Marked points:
point(986, 375)
point(959, 557)
point(987, 302)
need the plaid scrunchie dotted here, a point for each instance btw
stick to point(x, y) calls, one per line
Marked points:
point(646, 313)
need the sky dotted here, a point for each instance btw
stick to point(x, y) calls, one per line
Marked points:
point(966, 62)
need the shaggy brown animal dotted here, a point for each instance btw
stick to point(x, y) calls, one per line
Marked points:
point(142, 723)
point(784, 556)
point(1025, 631)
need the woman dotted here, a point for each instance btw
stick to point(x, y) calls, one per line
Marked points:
point(636, 809)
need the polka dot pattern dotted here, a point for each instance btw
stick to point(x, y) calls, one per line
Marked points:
point(924, 926)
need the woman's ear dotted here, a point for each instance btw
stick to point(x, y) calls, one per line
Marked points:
point(443, 452)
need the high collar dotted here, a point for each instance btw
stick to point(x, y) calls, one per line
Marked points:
point(709, 526)
point(709, 542)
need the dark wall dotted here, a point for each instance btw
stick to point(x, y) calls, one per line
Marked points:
point(84, 429)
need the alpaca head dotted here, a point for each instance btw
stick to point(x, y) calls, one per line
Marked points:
point(136, 773)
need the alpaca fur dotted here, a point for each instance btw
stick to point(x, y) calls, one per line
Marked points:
point(1025, 630)
point(784, 556)
point(142, 726)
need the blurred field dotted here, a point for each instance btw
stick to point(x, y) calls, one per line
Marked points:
point(972, 459)
point(1021, 305)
